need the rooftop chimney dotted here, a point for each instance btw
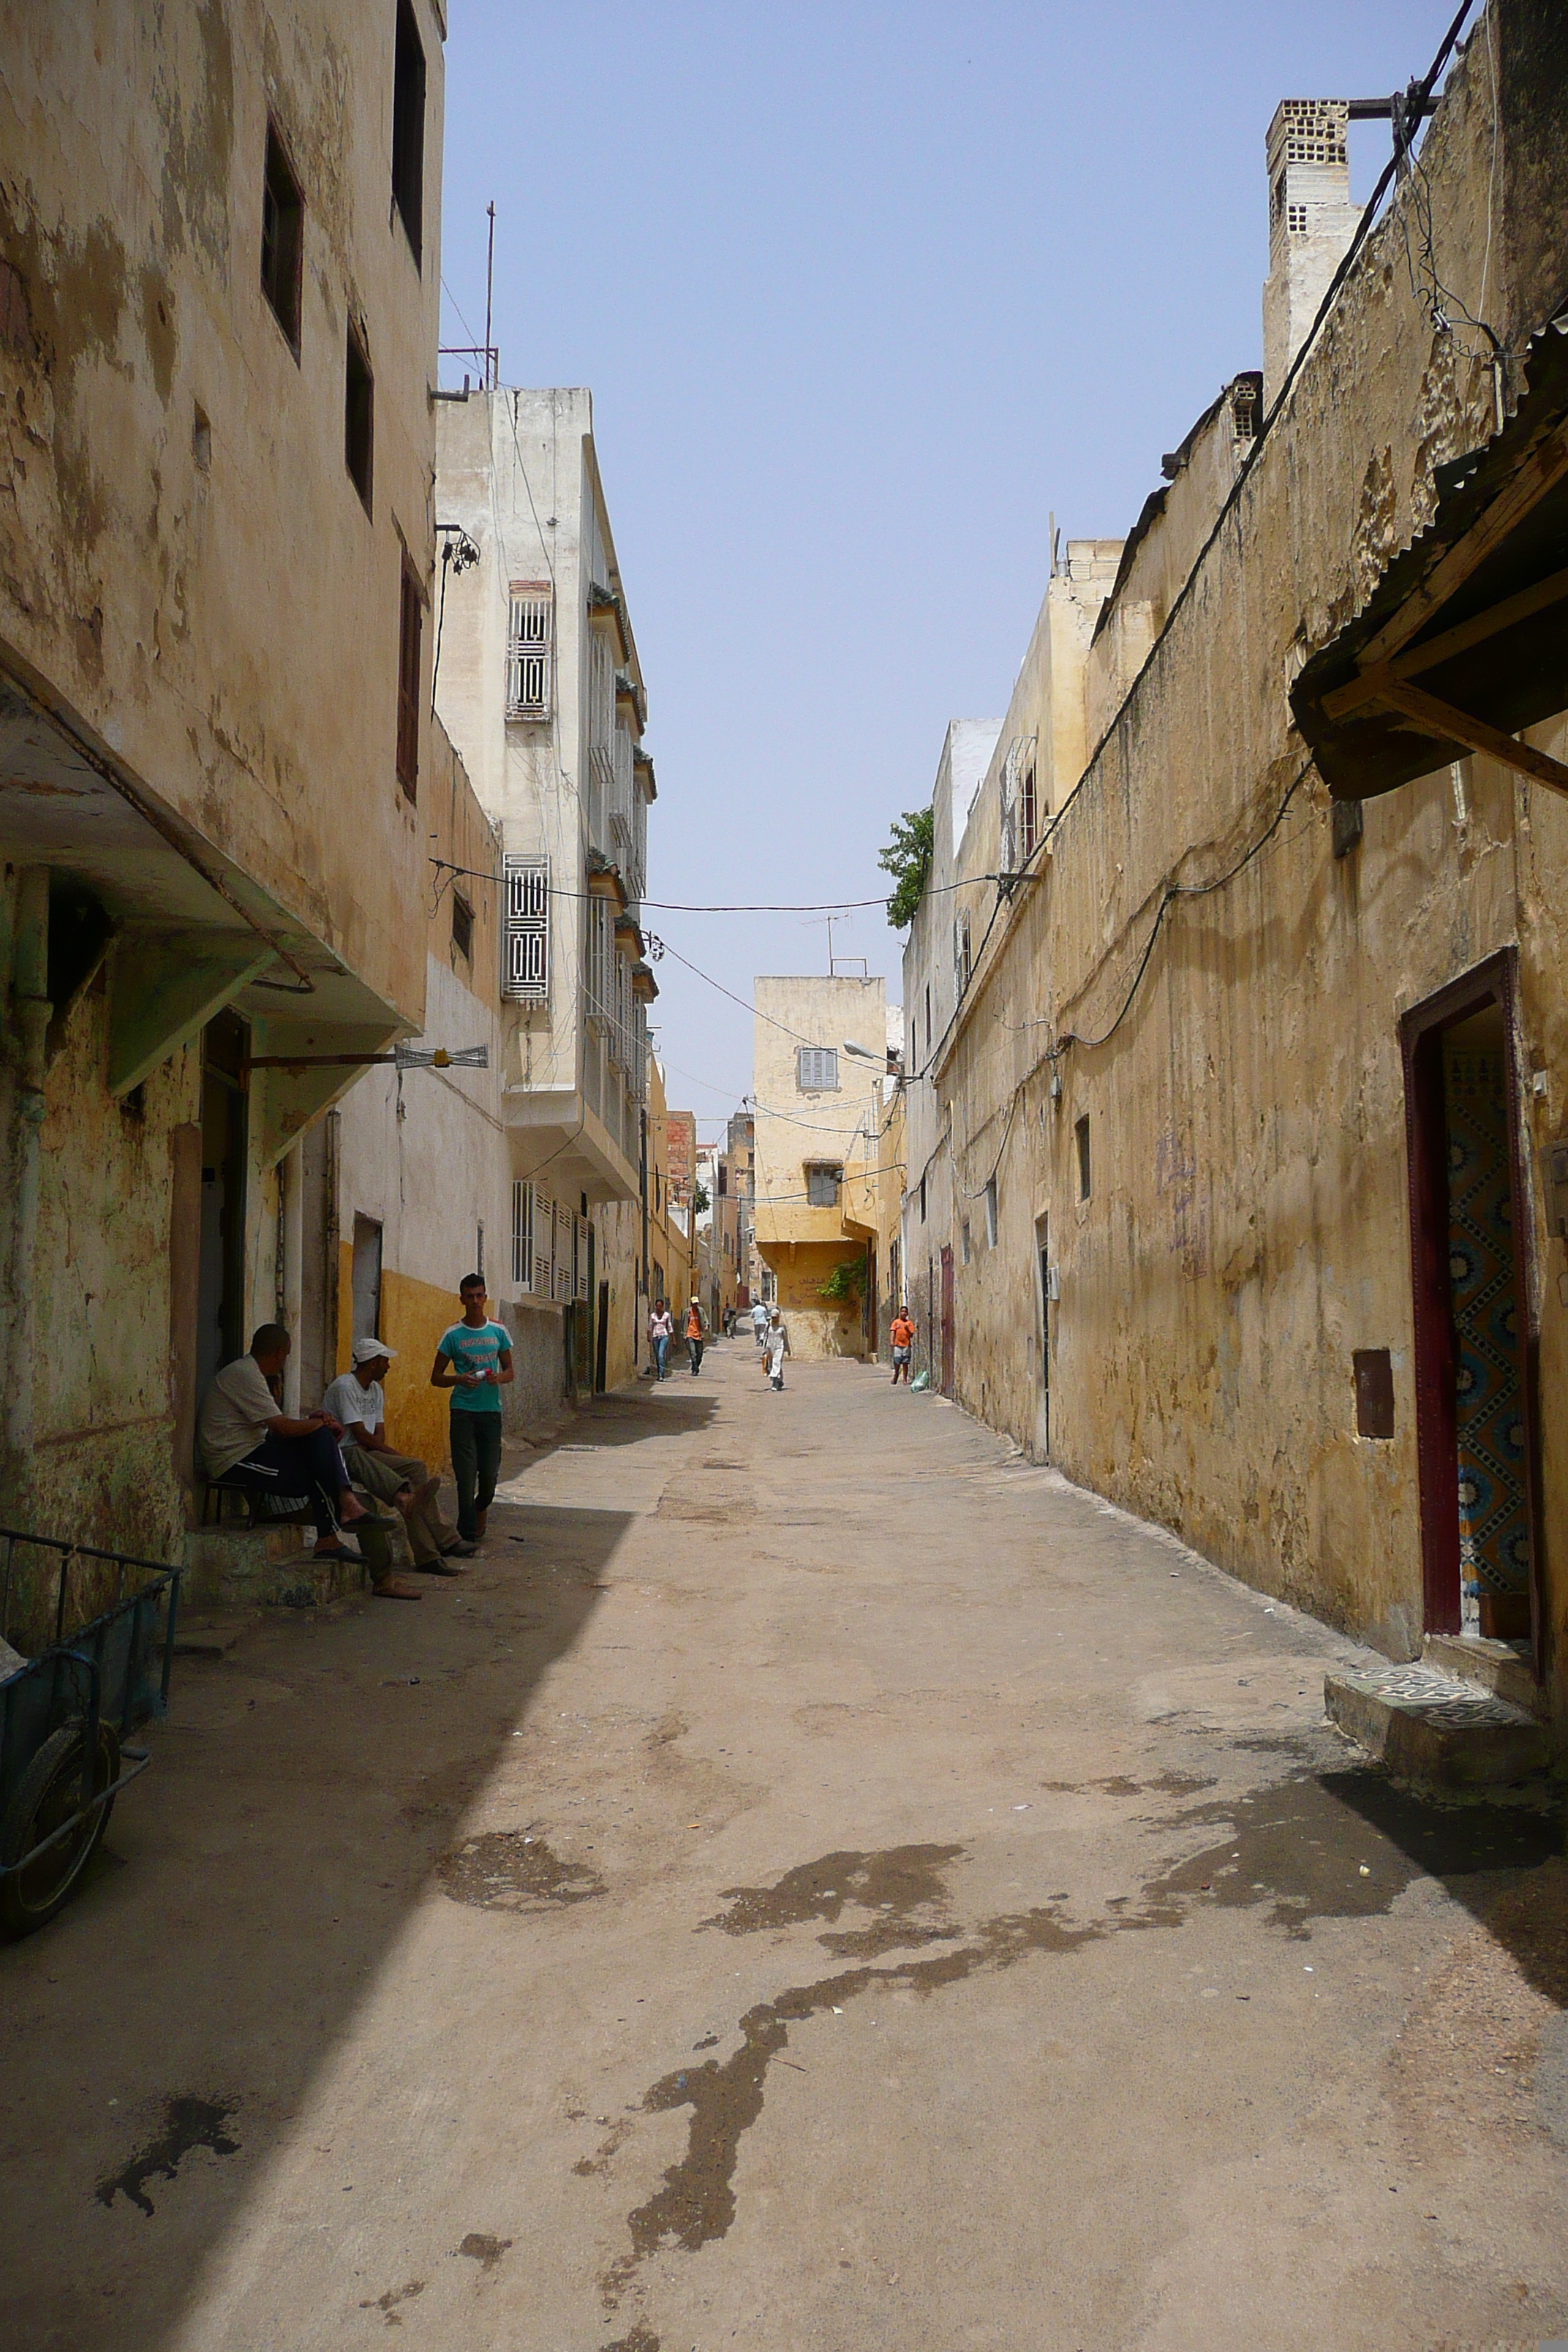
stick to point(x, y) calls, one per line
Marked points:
point(1311, 223)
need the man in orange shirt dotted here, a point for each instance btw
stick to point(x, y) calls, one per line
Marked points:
point(694, 1337)
point(903, 1339)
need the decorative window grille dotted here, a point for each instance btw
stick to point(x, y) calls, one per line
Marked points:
point(601, 734)
point(525, 932)
point(521, 1235)
point(622, 795)
point(1295, 221)
point(817, 1069)
point(1009, 803)
point(530, 645)
point(601, 955)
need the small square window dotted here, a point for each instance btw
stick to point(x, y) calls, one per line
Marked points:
point(817, 1069)
point(1080, 1133)
point(822, 1187)
point(359, 416)
point(282, 239)
point(462, 927)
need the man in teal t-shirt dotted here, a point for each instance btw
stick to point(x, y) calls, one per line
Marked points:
point(473, 1360)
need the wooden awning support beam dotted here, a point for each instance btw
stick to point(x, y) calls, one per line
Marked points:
point(1539, 472)
point(1363, 692)
point(1446, 725)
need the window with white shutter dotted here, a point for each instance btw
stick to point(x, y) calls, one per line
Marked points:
point(530, 644)
point(817, 1069)
point(542, 1235)
point(525, 931)
point(522, 1236)
point(563, 1245)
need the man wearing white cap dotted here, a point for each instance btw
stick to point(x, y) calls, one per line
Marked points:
point(357, 1400)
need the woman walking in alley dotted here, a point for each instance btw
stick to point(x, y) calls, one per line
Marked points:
point(776, 1348)
point(660, 1332)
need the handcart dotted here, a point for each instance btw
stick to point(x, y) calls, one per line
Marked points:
point(68, 1712)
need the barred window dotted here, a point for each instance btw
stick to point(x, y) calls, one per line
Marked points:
point(521, 1235)
point(525, 931)
point(530, 644)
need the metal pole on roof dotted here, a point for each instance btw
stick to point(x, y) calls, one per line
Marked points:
point(493, 370)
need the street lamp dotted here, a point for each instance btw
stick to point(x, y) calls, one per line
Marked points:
point(863, 1052)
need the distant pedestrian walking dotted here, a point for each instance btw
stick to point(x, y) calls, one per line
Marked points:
point(904, 1338)
point(759, 1322)
point(776, 1348)
point(660, 1332)
point(694, 1337)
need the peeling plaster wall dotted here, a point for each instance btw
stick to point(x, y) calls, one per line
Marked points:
point(1247, 1225)
point(188, 575)
point(101, 1410)
point(154, 589)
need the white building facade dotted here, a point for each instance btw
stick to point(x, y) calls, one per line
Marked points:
point(539, 684)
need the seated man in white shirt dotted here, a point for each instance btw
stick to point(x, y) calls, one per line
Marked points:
point(246, 1439)
point(357, 1401)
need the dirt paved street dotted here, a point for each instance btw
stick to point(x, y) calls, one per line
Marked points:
point(820, 1884)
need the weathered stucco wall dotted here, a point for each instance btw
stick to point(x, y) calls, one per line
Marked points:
point(187, 563)
point(1245, 1225)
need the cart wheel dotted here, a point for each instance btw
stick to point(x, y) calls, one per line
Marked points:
point(47, 1795)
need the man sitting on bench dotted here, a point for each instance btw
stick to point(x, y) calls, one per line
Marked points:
point(357, 1403)
point(247, 1440)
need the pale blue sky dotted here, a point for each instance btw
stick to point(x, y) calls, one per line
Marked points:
point(863, 295)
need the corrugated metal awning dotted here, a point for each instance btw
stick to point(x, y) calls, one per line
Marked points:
point(1465, 639)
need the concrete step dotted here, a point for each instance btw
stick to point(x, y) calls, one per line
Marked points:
point(232, 1570)
point(1428, 1726)
point(1503, 1668)
point(211, 1633)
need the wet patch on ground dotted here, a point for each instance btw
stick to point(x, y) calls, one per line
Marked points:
point(480, 2247)
point(1342, 1845)
point(696, 2202)
point(188, 2124)
point(902, 1886)
point(513, 1870)
point(641, 2339)
point(388, 2304)
point(1328, 1845)
point(1168, 1784)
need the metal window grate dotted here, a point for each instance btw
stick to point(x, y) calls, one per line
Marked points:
point(530, 645)
point(525, 951)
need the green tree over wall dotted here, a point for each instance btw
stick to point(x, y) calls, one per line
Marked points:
point(907, 859)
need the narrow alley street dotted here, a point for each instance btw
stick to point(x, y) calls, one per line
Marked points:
point(819, 1882)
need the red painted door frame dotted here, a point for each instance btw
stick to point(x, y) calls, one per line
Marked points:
point(1427, 1167)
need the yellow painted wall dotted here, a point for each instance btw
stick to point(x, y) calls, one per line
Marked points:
point(816, 1327)
point(412, 1316)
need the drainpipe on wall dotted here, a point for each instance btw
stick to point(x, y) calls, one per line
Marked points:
point(290, 1184)
point(28, 1019)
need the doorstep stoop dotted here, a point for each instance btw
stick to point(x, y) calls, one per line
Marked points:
point(1429, 1726)
point(235, 1568)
